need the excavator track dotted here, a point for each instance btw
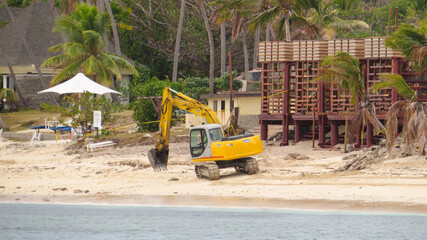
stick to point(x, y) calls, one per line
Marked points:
point(209, 171)
point(247, 165)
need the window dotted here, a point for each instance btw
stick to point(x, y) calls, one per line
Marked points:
point(215, 134)
point(198, 142)
point(222, 105)
point(215, 106)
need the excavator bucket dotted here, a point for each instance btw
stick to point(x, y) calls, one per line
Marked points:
point(158, 159)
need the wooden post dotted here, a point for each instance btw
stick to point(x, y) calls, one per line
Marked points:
point(314, 126)
point(264, 130)
point(345, 133)
point(389, 21)
point(334, 133)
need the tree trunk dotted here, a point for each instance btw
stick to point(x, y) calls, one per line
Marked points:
point(245, 52)
point(2, 125)
point(223, 48)
point(287, 28)
point(29, 51)
point(267, 32)
point(114, 27)
point(178, 42)
point(211, 46)
point(18, 89)
point(100, 5)
point(255, 60)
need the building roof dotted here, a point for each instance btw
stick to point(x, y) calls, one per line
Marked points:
point(35, 23)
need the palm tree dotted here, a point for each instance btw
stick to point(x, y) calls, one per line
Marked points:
point(276, 12)
point(344, 71)
point(415, 114)
point(12, 73)
point(178, 41)
point(201, 4)
point(321, 17)
point(412, 42)
point(84, 50)
point(113, 27)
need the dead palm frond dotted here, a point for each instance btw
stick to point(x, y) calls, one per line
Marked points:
point(415, 118)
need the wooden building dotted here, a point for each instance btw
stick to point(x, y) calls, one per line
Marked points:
point(290, 97)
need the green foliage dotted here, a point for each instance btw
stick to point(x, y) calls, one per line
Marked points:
point(412, 42)
point(81, 109)
point(18, 3)
point(343, 69)
point(11, 98)
point(223, 83)
point(195, 86)
point(397, 81)
point(145, 114)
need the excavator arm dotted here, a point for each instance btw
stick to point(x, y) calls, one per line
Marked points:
point(159, 155)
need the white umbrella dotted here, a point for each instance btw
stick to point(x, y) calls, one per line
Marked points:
point(79, 84)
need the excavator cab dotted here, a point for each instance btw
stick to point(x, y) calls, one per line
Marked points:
point(201, 138)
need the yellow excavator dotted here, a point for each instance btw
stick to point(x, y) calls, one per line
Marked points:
point(209, 148)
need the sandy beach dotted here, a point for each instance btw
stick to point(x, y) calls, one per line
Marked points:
point(61, 172)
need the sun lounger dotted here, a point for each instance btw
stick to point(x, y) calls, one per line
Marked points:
point(61, 129)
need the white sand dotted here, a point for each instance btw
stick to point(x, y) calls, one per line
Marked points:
point(48, 172)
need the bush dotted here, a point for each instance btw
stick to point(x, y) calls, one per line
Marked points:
point(145, 114)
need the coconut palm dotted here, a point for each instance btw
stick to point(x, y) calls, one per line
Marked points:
point(344, 71)
point(201, 4)
point(321, 18)
point(178, 42)
point(412, 42)
point(237, 12)
point(415, 114)
point(276, 12)
point(84, 51)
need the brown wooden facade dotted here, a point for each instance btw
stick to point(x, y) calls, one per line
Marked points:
point(290, 97)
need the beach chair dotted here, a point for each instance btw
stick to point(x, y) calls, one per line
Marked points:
point(36, 136)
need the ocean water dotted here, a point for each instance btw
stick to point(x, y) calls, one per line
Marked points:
point(52, 221)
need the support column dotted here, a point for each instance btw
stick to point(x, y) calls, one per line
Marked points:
point(297, 131)
point(285, 122)
point(334, 133)
point(264, 130)
point(322, 126)
point(285, 131)
point(369, 135)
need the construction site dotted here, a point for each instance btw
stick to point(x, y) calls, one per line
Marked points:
point(308, 110)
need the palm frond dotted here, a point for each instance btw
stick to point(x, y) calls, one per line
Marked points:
point(265, 18)
point(391, 125)
point(396, 81)
point(67, 73)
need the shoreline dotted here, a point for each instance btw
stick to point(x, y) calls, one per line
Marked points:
point(311, 205)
